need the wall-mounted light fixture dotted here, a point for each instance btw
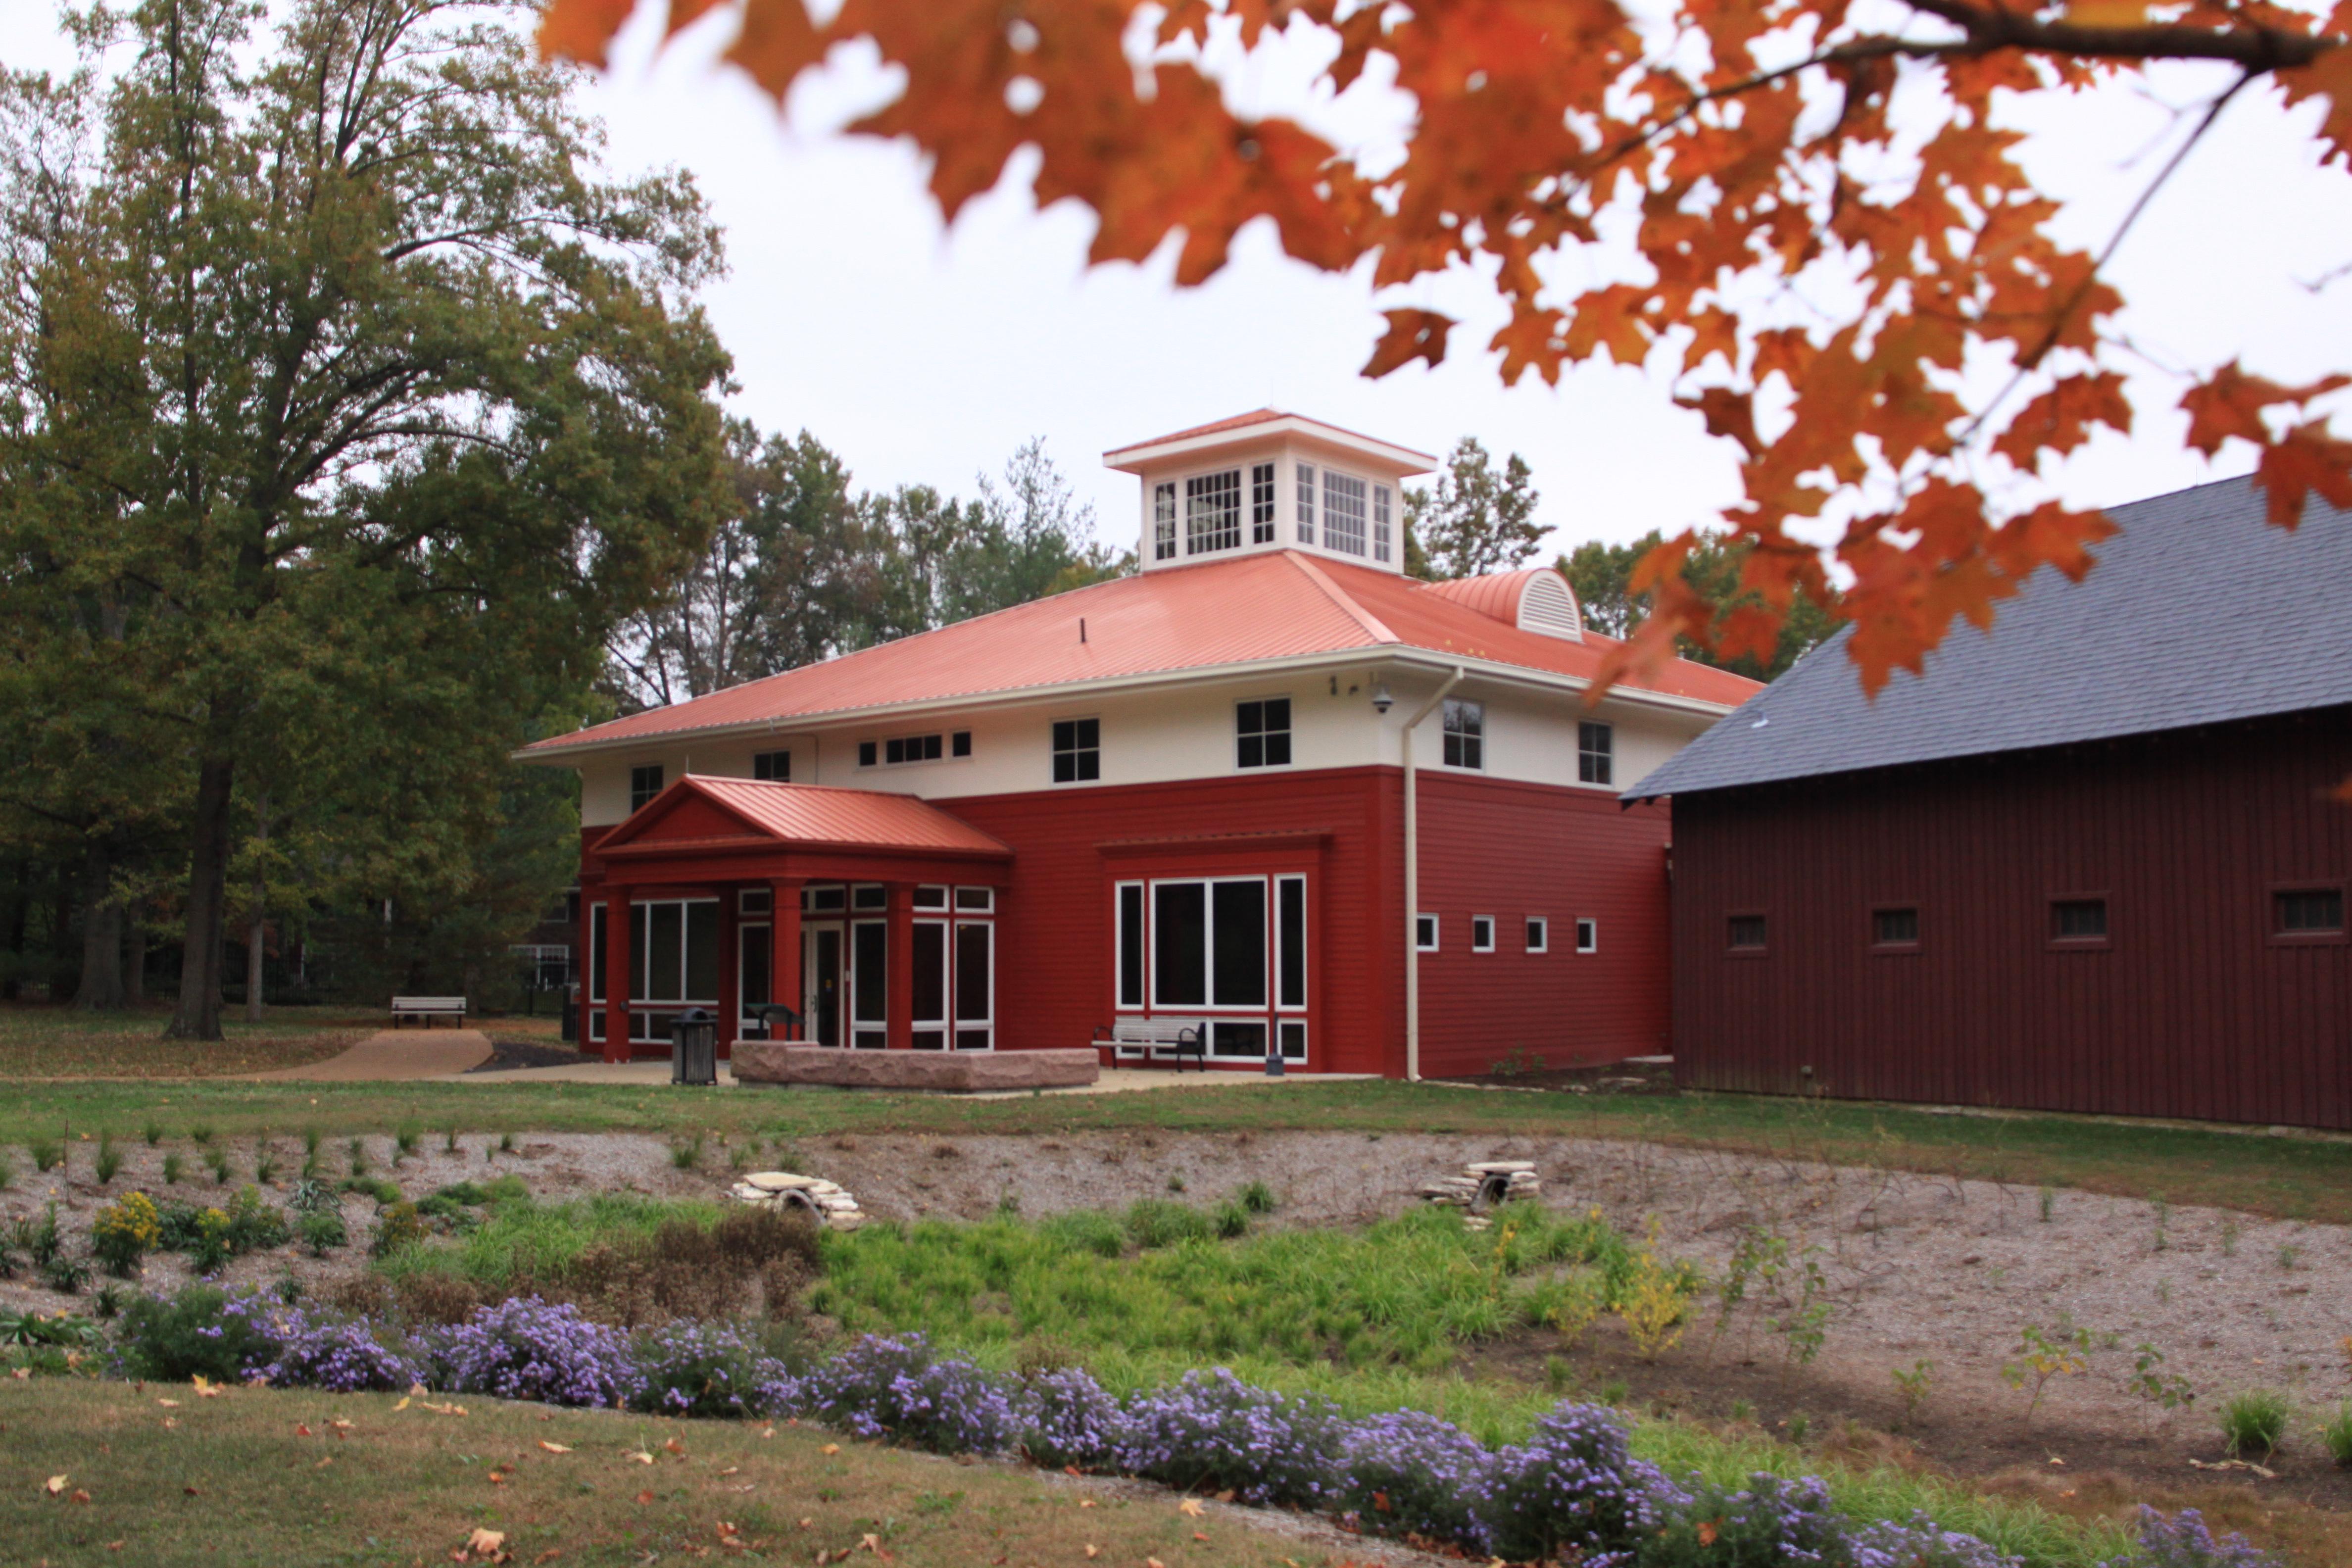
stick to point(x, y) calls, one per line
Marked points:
point(1381, 701)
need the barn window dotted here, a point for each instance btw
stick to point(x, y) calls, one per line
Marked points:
point(1538, 934)
point(1747, 933)
point(2309, 911)
point(1077, 750)
point(1425, 934)
point(1261, 732)
point(1895, 927)
point(960, 743)
point(645, 783)
point(1588, 936)
point(1482, 933)
point(1596, 753)
point(2081, 920)
point(1465, 733)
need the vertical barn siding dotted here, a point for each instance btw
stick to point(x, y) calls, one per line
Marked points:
point(1489, 847)
point(2192, 1011)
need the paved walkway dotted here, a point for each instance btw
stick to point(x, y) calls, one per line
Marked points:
point(394, 1054)
point(1123, 1080)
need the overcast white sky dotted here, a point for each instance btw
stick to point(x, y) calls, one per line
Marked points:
point(926, 355)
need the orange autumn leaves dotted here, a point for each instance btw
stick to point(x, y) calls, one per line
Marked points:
point(1747, 148)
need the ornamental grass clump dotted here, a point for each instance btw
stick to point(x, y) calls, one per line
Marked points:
point(1212, 1432)
point(1070, 1420)
point(530, 1350)
point(1406, 1472)
point(896, 1390)
point(1573, 1491)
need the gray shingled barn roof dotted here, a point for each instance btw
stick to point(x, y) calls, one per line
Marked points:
point(2198, 612)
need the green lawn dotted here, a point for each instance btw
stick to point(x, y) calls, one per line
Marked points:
point(2305, 1178)
point(53, 1042)
point(265, 1476)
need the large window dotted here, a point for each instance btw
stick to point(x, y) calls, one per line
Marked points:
point(1380, 522)
point(1130, 944)
point(1290, 943)
point(645, 783)
point(1465, 733)
point(1077, 750)
point(1206, 949)
point(1343, 513)
point(1262, 504)
point(1596, 753)
point(1261, 732)
point(673, 964)
point(1212, 512)
point(776, 766)
point(1163, 523)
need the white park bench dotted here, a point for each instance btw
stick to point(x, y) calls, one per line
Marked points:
point(1149, 1037)
point(424, 1009)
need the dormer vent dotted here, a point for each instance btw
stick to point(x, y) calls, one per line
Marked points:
point(1547, 605)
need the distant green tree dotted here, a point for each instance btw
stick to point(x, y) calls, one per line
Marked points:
point(1601, 574)
point(1473, 521)
point(338, 344)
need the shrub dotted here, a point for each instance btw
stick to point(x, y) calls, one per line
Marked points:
point(203, 1332)
point(1156, 1222)
point(1921, 1542)
point(528, 1348)
point(2184, 1541)
point(109, 1159)
point(42, 1242)
point(342, 1355)
point(1573, 1487)
point(1069, 1420)
point(709, 1369)
point(323, 1231)
point(751, 1239)
point(208, 1249)
point(65, 1275)
point(1215, 1432)
point(311, 1195)
point(429, 1297)
point(2254, 1420)
point(377, 1187)
point(2337, 1435)
point(218, 1162)
point(254, 1225)
point(125, 1231)
point(1410, 1473)
point(175, 1167)
point(896, 1390)
point(1771, 1519)
point(1256, 1197)
point(397, 1226)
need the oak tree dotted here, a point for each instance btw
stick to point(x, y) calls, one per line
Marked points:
point(1472, 519)
point(1815, 268)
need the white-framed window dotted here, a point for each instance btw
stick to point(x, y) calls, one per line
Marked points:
point(1261, 732)
point(1163, 521)
point(645, 783)
point(975, 985)
point(1212, 512)
point(1262, 503)
point(1465, 733)
point(1216, 953)
point(1482, 933)
point(931, 898)
point(1343, 513)
point(1306, 503)
point(1596, 753)
point(1538, 934)
point(979, 900)
point(773, 766)
point(1588, 936)
point(1380, 531)
point(1131, 962)
point(596, 951)
point(869, 896)
point(1077, 750)
point(1209, 943)
point(755, 901)
point(1425, 934)
point(1291, 952)
point(826, 897)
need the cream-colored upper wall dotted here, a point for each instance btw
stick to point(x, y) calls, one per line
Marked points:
point(1181, 733)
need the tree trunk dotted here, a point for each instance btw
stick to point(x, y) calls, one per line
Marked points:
point(19, 904)
point(198, 1015)
point(134, 961)
point(254, 933)
point(102, 934)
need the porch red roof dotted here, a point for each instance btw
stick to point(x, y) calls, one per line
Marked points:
point(698, 811)
point(1271, 605)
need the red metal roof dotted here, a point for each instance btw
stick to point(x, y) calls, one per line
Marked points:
point(1497, 594)
point(1262, 417)
point(1249, 609)
point(804, 816)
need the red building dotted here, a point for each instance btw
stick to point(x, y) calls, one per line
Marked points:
point(1204, 797)
point(2093, 861)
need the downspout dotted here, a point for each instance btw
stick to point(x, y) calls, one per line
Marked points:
point(1413, 886)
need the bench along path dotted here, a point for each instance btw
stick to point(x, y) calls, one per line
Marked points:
point(394, 1054)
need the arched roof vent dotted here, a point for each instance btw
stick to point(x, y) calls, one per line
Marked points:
point(1537, 599)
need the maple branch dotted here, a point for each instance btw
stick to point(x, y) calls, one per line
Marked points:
point(2259, 49)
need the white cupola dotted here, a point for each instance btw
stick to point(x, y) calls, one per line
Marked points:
point(1271, 480)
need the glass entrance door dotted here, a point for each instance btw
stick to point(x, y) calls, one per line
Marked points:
point(821, 977)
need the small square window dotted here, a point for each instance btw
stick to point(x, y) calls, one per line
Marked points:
point(756, 900)
point(774, 766)
point(1261, 732)
point(1482, 933)
point(976, 898)
point(1895, 927)
point(865, 753)
point(2078, 919)
point(2309, 911)
point(1747, 933)
point(1465, 733)
point(960, 743)
point(645, 783)
point(817, 900)
point(1596, 751)
point(931, 898)
point(1588, 936)
point(1538, 935)
point(1077, 750)
point(871, 896)
point(1425, 934)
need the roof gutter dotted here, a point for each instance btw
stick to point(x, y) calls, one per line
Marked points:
point(1412, 884)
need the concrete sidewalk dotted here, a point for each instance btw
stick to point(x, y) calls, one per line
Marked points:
point(392, 1055)
point(1122, 1080)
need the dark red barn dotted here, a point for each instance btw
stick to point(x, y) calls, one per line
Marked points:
point(2093, 861)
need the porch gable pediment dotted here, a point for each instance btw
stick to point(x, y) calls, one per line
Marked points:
point(701, 815)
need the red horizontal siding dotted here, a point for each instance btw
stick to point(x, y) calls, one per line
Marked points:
point(2191, 1011)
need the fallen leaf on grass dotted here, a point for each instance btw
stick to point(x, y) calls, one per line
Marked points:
point(169, 1404)
point(117, 1545)
point(553, 1448)
point(645, 1496)
point(872, 1543)
point(78, 1496)
point(767, 1431)
point(1198, 1536)
point(1153, 1563)
point(205, 1388)
point(1093, 1550)
point(641, 1457)
point(171, 1422)
point(192, 1491)
point(731, 1469)
point(675, 1446)
point(54, 1486)
point(340, 1426)
point(1085, 1502)
point(300, 1430)
point(830, 1448)
point(1190, 1506)
point(22, 1374)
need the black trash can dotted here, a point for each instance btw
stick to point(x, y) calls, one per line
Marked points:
point(693, 1047)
